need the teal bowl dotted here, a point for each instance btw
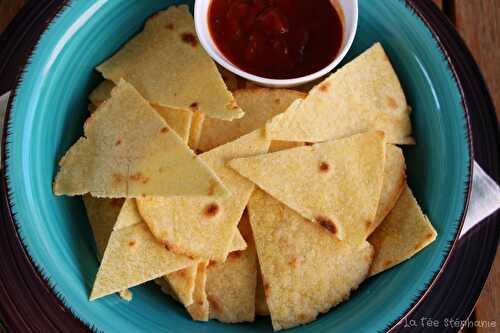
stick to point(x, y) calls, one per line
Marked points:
point(50, 106)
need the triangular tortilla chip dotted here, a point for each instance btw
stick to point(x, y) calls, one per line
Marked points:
point(169, 67)
point(231, 285)
point(133, 256)
point(199, 310)
point(363, 95)
point(404, 232)
point(102, 214)
point(305, 271)
point(259, 104)
point(203, 226)
point(129, 151)
point(336, 184)
point(177, 119)
point(196, 128)
point(181, 282)
point(393, 184)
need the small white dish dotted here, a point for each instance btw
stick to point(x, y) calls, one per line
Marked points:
point(349, 15)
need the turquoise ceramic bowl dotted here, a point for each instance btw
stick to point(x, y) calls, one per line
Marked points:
point(50, 106)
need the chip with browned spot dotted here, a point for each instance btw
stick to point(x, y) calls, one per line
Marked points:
point(340, 199)
point(259, 105)
point(181, 284)
point(403, 233)
point(177, 119)
point(124, 266)
point(363, 95)
point(203, 226)
point(305, 271)
point(170, 68)
point(90, 164)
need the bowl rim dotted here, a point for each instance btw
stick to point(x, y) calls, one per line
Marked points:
point(416, 6)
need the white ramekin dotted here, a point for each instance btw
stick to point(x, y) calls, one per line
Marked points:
point(349, 20)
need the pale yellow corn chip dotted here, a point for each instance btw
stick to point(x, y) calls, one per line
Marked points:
point(169, 67)
point(260, 105)
point(204, 226)
point(403, 233)
point(363, 95)
point(129, 151)
point(305, 270)
point(133, 256)
point(336, 184)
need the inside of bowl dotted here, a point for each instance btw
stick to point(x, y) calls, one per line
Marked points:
point(51, 106)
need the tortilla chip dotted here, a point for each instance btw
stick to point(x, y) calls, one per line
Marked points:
point(231, 285)
point(259, 104)
point(101, 93)
point(199, 310)
point(102, 214)
point(196, 128)
point(177, 119)
point(404, 232)
point(393, 184)
point(363, 95)
point(133, 256)
point(305, 271)
point(203, 226)
point(336, 184)
point(261, 308)
point(129, 151)
point(168, 66)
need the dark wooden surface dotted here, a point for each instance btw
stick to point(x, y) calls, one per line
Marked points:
point(478, 22)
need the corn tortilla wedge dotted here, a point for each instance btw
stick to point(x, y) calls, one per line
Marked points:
point(168, 66)
point(335, 184)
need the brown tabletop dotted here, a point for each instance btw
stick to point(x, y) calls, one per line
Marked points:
point(478, 22)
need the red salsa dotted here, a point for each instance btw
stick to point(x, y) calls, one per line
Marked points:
point(276, 39)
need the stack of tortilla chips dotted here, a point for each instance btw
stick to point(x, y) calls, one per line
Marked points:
point(290, 202)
